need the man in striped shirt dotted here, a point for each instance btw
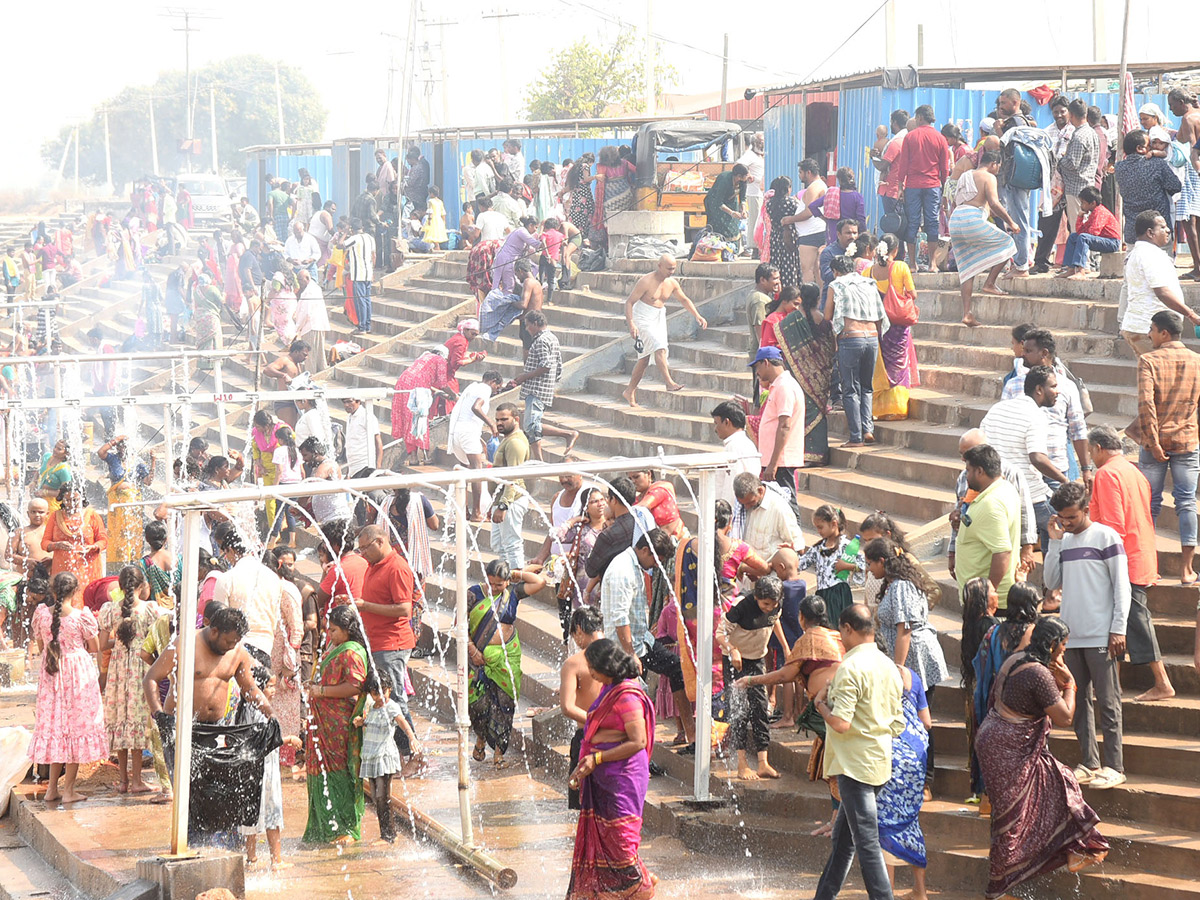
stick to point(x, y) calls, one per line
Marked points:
point(360, 269)
point(1017, 429)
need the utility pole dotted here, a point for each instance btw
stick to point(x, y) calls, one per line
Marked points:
point(498, 16)
point(279, 103)
point(187, 15)
point(1121, 81)
point(153, 139)
point(76, 159)
point(890, 34)
point(445, 73)
point(409, 75)
point(648, 85)
point(1098, 48)
point(724, 76)
point(108, 181)
point(212, 123)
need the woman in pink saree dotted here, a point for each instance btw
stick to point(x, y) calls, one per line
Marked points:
point(414, 402)
point(612, 777)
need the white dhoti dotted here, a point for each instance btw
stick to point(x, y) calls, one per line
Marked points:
point(651, 323)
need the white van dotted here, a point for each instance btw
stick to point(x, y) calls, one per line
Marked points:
point(210, 197)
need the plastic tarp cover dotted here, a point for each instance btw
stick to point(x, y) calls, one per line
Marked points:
point(14, 760)
point(675, 136)
point(642, 246)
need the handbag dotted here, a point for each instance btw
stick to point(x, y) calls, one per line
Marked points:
point(901, 310)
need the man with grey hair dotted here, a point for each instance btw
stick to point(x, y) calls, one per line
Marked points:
point(1121, 500)
point(1029, 538)
point(769, 522)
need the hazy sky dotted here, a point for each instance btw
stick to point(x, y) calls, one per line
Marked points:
point(97, 49)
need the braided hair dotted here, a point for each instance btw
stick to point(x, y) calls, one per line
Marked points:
point(64, 586)
point(129, 579)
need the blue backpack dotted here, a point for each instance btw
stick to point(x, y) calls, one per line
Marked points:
point(1026, 168)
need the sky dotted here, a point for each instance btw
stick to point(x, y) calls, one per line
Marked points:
point(493, 50)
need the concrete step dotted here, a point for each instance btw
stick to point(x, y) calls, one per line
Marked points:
point(25, 875)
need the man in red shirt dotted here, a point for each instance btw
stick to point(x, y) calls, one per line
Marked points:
point(386, 610)
point(1095, 231)
point(889, 188)
point(921, 169)
point(1121, 500)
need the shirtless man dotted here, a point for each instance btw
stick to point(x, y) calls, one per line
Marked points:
point(972, 234)
point(283, 370)
point(26, 544)
point(219, 659)
point(646, 316)
point(1185, 105)
point(532, 297)
point(810, 228)
point(577, 689)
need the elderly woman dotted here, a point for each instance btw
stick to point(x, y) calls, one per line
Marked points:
point(412, 403)
point(456, 351)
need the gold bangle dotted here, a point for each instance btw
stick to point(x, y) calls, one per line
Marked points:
point(597, 758)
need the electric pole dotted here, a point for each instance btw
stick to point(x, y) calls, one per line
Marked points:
point(153, 139)
point(279, 103)
point(499, 16)
point(212, 122)
point(77, 159)
point(648, 86)
point(108, 181)
point(187, 15)
point(724, 76)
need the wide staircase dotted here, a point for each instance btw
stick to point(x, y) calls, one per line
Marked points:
point(1153, 821)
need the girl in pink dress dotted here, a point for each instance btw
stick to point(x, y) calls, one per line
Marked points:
point(69, 729)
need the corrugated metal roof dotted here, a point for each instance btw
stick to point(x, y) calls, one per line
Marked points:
point(933, 77)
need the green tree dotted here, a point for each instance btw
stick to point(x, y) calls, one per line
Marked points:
point(244, 91)
point(584, 81)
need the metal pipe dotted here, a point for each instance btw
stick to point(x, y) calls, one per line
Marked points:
point(208, 499)
point(118, 357)
point(704, 632)
point(185, 683)
point(462, 720)
point(196, 399)
point(500, 875)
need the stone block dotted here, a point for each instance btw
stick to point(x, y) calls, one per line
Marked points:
point(664, 223)
point(12, 668)
point(1112, 265)
point(185, 879)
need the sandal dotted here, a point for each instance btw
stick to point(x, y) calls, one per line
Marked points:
point(479, 754)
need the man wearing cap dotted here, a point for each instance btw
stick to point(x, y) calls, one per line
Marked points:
point(781, 430)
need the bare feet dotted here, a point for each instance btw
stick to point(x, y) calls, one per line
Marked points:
point(784, 723)
point(745, 773)
point(1080, 276)
point(993, 290)
point(675, 387)
point(163, 799)
point(122, 788)
point(1187, 577)
point(970, 321)
point(477, 519)
point(913, 895)
point(139, 787)
point(73, 797)
point(1165, 692)
point(767, 771)
point(630, 397)
point(51, 798)
point(343, 840)
point(1015, 273)
point(571, 443)
point(868, 438)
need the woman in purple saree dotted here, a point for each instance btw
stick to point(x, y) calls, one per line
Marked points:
point(612, 777)
point(1039, 820)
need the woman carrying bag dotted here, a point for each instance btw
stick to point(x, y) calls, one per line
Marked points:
point(896, 367)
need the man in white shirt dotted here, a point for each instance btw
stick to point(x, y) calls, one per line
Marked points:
point(302, 250)
point(1151, 282)
point(485, 177)
point(729, 423)
point(492, 225)
point(464, 439)
point(251, 587)
point(385, 174)
point(1017, 429)
point(360, 269)
point(770, 521)
point(364, 447)
point(755, 162)
point(312, 321)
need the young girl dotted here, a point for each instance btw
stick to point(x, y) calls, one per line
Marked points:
point(743, 634)
point(979, 604)
point(288, 468)
point(380, 755)
point(881, 525)
point(903, 616)
point(69, 727)
point(435, 220)
point(270, 809)
point(832, 586)
point(553, 238)
point(124, 625)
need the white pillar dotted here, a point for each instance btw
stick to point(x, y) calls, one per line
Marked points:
point(462, 560)
point(185, 665)
point(108, 158)
point(705, 584)
point(278, 104)
point(212, 123)
point(219, 384)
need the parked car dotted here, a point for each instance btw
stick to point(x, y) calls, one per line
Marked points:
point(210, 197)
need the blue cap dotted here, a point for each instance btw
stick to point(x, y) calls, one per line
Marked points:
point(773, 353)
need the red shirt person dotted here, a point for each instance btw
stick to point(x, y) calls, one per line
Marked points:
point(920, 169)
point(1121, 500)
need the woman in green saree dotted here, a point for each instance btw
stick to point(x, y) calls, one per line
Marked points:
point(494, 680)
point(333, 743)
point(53, 473)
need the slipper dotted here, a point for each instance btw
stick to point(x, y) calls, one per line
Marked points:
point(689, 750)
point(479, 754)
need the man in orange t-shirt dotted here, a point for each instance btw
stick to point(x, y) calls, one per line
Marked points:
point(1121, 500)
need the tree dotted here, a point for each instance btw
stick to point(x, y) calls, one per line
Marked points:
point(584, 81)
point(244, 90)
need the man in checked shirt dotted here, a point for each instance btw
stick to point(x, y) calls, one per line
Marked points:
point(543, 370)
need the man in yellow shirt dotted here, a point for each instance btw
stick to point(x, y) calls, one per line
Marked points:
point(862, 713)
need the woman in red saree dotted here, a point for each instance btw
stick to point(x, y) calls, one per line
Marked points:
point(612, 777)
point(332, 742)
point(659, 498)
point(1039, 820)
point(456, 353)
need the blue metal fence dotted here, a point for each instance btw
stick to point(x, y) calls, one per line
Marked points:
point(266, 162)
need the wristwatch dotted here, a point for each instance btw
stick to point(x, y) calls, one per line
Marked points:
point(502, 506)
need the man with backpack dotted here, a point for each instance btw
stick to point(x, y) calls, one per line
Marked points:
point(1018, 175)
